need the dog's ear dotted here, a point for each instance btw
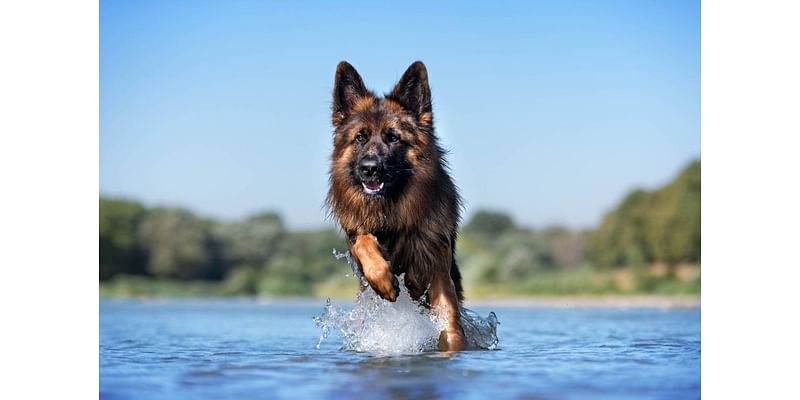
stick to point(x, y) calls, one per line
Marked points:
point(413, 93)
point(347, 89)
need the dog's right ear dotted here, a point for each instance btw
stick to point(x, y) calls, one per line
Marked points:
point(346, 91)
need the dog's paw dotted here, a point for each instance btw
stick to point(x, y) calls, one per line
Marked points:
point(385, 285)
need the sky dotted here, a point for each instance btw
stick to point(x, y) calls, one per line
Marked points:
point(552, 111)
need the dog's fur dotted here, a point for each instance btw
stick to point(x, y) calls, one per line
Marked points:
point(392, 195)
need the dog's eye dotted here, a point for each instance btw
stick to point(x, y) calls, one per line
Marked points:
point(361, 137)
point(392, 138)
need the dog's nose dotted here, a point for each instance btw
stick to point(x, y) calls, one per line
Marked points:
point(369, 166)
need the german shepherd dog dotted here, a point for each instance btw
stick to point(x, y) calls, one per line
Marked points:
point(392, 195)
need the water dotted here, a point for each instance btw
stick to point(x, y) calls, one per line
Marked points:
point(405, 326)
point(244, 349)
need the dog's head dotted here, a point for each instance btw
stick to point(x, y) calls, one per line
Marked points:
point(381, 143)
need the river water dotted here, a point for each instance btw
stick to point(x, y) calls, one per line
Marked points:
point(245, 349)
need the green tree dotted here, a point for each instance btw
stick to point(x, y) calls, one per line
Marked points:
point(489, 223)
point(120, 252)
point(252, 241)
point(520, 254)
point(568, 248)
point(180, 245)
point(303, 259)
point(673, 232)
point(516, 253)
point(658, 226)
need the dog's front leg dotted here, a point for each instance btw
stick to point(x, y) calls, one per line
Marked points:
point(444, 299)
point(375, 268)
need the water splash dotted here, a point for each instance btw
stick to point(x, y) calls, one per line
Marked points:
point(375, 325)
point(481, 333)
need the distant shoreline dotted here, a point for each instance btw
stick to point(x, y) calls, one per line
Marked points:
point(592, 301)
point(555, 301)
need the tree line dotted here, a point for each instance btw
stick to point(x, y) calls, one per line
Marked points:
point(258, 254)
point(657, 226)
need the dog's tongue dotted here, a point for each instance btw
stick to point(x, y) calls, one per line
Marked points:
point(373, 185)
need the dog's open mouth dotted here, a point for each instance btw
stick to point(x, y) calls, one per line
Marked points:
point(372, 187)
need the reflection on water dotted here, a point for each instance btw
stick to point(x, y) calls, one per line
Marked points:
point(378, 326)
point(242, 349)
point(389, 377)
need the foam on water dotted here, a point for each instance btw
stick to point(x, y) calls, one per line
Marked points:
point(375, 325)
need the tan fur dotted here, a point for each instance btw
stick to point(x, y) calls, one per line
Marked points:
point(375, 268)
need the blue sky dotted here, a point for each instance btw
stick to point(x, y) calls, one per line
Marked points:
point(552, 110)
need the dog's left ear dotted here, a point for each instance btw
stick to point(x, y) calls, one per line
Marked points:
point(413, 93)
point(348, 88)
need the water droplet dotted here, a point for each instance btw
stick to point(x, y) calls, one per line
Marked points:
point(405, 326)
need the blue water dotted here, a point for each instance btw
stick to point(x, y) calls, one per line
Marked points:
point(244, 349)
